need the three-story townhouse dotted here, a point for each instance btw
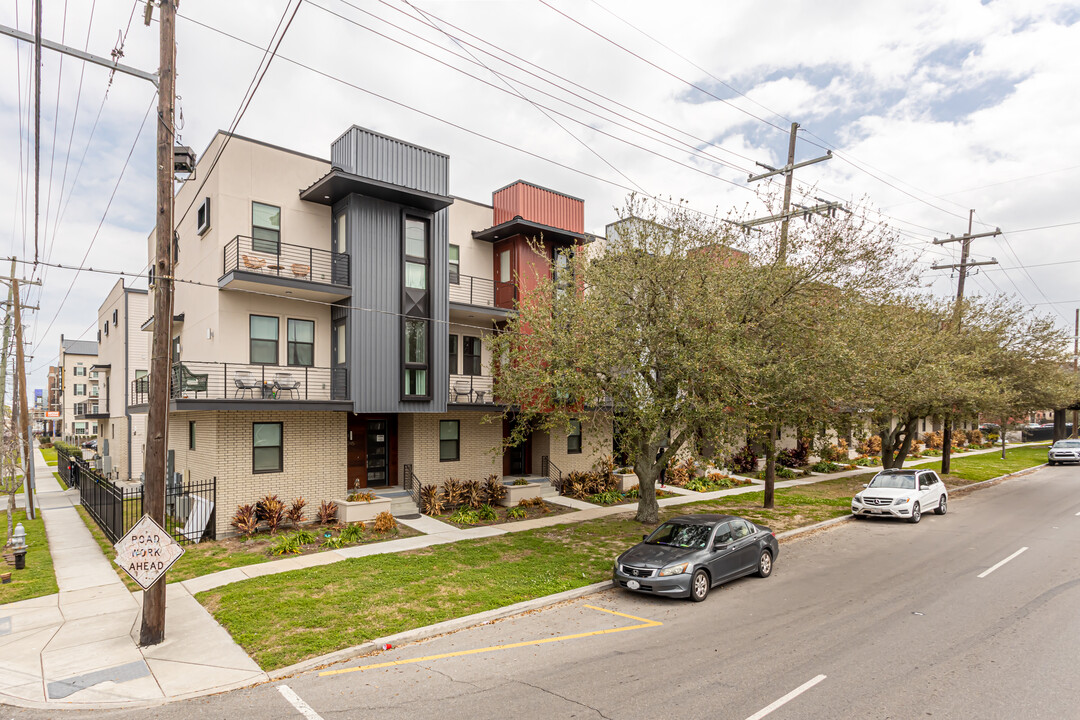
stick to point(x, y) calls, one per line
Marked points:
point(77, 382)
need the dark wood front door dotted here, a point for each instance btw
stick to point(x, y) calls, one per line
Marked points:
point(517, 460)
point(372, 451)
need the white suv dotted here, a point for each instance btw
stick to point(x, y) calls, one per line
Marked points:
point(902, 494)
point(1063, 451)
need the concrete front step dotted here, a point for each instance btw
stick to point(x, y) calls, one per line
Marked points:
point(401, 502)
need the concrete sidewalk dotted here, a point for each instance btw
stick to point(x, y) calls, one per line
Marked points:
point(78, 648)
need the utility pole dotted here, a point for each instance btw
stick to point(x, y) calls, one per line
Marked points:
point(23, 424)
point(37, 122)
point(965, 250)
point(1076, 354)
point(4, 355)
point(788, 171)
point(153, 616)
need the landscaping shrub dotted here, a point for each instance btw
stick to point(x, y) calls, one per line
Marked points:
point(486, 513)
point(825, 466)
point(608, 497)
point(327, 512)
point(633, 493)
point(494, 490)
point(744, 460)
point(836, 452)
point(680, 472)
point(431, 503)
point(959, 438)
point(714, 482)
point(453, 492)
point(295, 513)
point(866, 461)
point(521, 481)
point(515, 513)
point(70, 450)
point(271, 511)
point(286, 545)
point(352, 533)
point(384, 522)
point(536, 502)
point(975, 437)
point(333, 543)
point(363, 496)
point(473, 493)
point(932, 440)
point(245, 521)
point(465, 516)
point(871, 445)
point(781, 472)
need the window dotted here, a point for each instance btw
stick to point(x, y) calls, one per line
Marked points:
point(416, 254)
point(416, 358)
point(93, 375)
point(115, 316)
point(265, 228)
point(142, 381)
point(176, 349)
point(449, 440)
point(266, 451)
point(471, 366)
point(455, 264)
point(80, 371)
point(191, 434)
point(80, 389)
point(112, 431)
point(301, 342)
point(723, 534)
point(573, 438)
point(453, 354)
point(263, 340)
point(339, 343)
point(203, 217)
point(105, 329)
point(561, 275)
point(341, 225)
point(739, 529)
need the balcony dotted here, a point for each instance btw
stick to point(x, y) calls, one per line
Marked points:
point(199, 385)
point(282, 269)
point(91, 410)
point(471, 390)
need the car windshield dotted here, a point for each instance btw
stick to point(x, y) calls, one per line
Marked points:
point(1067, 444)
point(899, 482)
point(681, 535)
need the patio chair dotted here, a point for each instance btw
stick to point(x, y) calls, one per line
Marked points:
point(462, 389)
point(246, 382)
point(189, 382)
point(253, 262)
point(300, 271)
point(286, 383)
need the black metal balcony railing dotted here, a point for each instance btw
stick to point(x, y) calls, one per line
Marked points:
point(470, 290)
point(91, 409)
point(267, 257)
point(194, 380)
point(472, 389)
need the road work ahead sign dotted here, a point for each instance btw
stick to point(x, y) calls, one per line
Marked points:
point(146, 552)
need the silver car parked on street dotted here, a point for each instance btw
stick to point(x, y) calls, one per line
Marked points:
point(1064, 451)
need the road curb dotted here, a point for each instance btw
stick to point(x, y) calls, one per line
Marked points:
point(430, 631)
point(994, 481)
point(816, 526)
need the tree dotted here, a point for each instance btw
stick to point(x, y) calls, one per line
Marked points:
point(10, 480)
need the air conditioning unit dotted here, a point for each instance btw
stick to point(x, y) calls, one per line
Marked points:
point(106, 465)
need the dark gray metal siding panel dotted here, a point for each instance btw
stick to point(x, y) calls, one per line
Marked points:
point(375, 337)
point(379, 157)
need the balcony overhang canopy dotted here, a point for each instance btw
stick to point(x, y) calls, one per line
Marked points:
point(338, 184)
point(528, 228)
point(101, 367)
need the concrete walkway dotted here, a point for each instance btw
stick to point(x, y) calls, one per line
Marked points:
point(78, 647)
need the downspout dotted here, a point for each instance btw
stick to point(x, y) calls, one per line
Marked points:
point(127, 360)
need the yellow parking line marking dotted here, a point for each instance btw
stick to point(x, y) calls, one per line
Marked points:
point(643, 624)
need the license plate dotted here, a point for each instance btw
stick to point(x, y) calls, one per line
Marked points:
point(877, 512)
point(633, 584)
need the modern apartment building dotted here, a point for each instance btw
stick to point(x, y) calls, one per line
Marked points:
point(122, 363)
point(331, 320)
point(79, 388)
point(53, 421)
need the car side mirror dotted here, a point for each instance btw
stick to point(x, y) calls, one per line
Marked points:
point(866, 485)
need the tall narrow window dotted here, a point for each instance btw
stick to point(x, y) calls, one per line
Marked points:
point(266, 452)
point(341, 227)
point(416, 275)
point(573, 438)
point(301, 339)
point(265, 228)
point(455, 264)
point(339, 343)
point(264, 340)
point(471, 365)
point(416, 369)
point(191, 434)
point(449, 440)
point(453, 354)
point(176, 349)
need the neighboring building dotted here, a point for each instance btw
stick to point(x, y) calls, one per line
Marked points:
point(54, 403)
point(79, 388)
point(122, 363)
point(37, 410)
point(332, 332)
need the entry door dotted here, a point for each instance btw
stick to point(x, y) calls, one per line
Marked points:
point(517, 460)
point(378, 454)
point(504, 280)
point(357, 453)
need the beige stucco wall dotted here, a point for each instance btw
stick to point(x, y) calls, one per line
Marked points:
point(314, 457)
point(467, 216)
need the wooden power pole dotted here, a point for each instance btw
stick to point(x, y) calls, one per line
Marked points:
point(21, 425)
point(1076, 355)
point(965, 250)
point(152, 631)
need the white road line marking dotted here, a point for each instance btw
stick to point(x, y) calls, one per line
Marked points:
point(987, 572)
point(790, 696)
point(297, 702)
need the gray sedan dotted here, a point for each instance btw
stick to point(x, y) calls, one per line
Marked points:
point(688, 555)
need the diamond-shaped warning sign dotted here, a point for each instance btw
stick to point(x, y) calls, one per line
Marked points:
point(146, 552)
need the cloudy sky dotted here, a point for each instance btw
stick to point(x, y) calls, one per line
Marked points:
point(931, 107)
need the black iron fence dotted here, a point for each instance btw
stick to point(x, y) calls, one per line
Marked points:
point(272, 257)
point(190, 507)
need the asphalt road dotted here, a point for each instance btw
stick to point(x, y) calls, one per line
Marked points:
point(871, 619)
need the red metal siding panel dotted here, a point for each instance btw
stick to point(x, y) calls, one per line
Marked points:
point(540, 206)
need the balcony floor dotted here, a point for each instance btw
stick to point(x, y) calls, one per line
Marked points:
point(284, 286)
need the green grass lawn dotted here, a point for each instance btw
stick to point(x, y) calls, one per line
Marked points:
point(50, 455)
point(977, 468)
point(60, 480)
point(319, 610)
point(38, 578)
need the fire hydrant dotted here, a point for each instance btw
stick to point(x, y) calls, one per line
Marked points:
point(18, 546)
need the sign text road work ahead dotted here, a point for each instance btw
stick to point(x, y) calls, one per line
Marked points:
point(146, 552)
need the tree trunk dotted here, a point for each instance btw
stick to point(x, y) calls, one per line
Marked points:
point(905, 445)
point(946, 446)
point(647, 469)
point(1003, 421)
point(770, 467)
point(1060, 419)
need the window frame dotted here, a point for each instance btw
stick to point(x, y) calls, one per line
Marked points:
point(452, 353)
point(454, 264)
point(254, 240)
point(202, 217)
point(416, 306)
point(290, 343)
point(472, 361)
point(276, 341)
point(406, 365)
point(456, 440)
point(191, 434)
point(570, 435)
point(281, 449)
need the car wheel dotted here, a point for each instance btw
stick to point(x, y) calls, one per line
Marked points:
point(942, 506)
point(1051, 462)
point(764, 565)
point(916, 514)
point(699, 586)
